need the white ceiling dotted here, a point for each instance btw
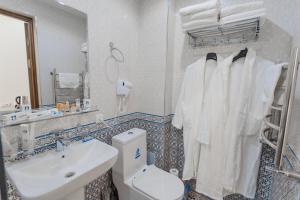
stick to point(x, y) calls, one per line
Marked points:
point(56, 4)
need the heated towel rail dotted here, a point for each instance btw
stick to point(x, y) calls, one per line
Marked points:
point(277, 122)
point(61, 95)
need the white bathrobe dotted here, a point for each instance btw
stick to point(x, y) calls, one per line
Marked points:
point(238, 98)
point(188, 107)
point(241, 75)
point(215, 106)
point(244, 148)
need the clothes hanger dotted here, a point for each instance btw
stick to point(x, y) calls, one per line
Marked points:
point(212, 56)
point(242, 54)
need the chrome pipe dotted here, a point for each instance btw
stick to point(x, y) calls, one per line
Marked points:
point(286, 112)
point(286, 173)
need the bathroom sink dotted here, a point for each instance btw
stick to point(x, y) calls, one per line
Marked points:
point(57, 175)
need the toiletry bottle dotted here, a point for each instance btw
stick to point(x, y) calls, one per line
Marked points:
point(78, 109)
point(86, 104)
point(67, 106)
point(73, 108)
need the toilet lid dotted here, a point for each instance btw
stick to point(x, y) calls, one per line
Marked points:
point(158, 184)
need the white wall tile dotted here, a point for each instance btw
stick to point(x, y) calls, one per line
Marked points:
point(138, 28)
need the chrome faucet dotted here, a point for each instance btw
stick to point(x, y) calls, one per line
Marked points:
point(61, 143)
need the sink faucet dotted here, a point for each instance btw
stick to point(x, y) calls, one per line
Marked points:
point(61, 143)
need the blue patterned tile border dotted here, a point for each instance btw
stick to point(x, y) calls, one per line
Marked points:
point(48, 138)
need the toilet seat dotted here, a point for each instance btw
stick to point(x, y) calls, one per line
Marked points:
point(158, 184)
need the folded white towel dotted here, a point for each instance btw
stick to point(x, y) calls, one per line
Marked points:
point(210, 4)
point(68, 80)
point(235, 9)
point(243, 16)
point(212, 13)
point(201, 23)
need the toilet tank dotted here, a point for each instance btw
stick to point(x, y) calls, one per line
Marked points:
point(132, 152)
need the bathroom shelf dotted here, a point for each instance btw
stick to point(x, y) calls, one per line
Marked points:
point(28, 121)
point(230, 33)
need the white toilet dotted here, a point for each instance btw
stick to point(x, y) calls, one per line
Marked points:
point(134, 179)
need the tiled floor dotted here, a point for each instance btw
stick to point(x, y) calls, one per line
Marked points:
point(196, 196)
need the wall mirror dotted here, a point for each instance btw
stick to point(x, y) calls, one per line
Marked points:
point(43, 54)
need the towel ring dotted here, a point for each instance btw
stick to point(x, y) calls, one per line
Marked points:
point(119, 58)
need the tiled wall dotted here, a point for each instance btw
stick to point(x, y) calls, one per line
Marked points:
point(163, 140)
point(133, 28)
point(285, 188)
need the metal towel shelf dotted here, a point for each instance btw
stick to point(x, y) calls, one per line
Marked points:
point(235, 32)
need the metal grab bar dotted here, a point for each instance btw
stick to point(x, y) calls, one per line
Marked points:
point(265, 139)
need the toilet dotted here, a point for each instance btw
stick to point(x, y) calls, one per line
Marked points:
point(134, 179)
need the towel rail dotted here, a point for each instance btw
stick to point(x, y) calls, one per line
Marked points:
point(66, 94)
point(277, 107)
point(235, 32)
point(264, 139)
point(269, 124)
point(287, 173)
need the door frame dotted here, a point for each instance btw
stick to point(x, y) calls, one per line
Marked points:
point(31, 53)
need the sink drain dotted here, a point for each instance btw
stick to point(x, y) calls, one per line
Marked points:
point(69, 174)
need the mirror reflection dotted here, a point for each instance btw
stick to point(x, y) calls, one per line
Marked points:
point(44, 50)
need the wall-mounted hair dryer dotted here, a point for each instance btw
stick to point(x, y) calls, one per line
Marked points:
point(123, 88)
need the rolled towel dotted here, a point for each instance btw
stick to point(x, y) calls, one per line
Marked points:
point(201, 23)
point(235, 9)
point(212, 13)
point(243, 16)
point(210, 4)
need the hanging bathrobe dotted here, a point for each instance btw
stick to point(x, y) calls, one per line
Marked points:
point(241, 75)
point(189, 103)
point(243, 156)
point(215, 107)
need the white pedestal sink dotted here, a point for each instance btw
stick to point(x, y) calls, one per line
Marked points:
point(62, 175)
